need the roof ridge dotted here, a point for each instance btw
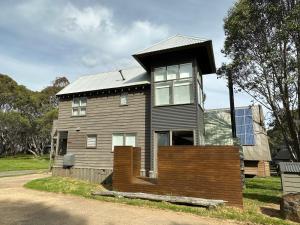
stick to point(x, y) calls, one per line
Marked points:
point(155, 44)
point(112, 71)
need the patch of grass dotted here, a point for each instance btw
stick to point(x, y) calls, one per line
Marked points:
point(23, 162)
point(259, 192)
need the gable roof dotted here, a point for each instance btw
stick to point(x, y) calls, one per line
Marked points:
point(172, 42)
point(289, 167)
point(133, 76)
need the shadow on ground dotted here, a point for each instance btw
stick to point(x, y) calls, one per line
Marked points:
point(272, 212)
point(263, 197)
point(25, 213)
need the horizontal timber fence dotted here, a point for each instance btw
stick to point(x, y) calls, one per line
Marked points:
point(211, 172)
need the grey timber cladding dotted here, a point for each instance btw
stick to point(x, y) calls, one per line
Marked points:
point(105, 116)
point(174, 117)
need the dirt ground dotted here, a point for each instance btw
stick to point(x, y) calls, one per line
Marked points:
point(20, 206)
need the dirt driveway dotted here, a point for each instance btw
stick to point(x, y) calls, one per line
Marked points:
point(27, 207)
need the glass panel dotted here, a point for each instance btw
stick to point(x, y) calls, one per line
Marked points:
point(163, 138)
point(172, 72)
point(239, 112)
point(162, 94)
point(75, 112)
point(186, 70)
point(182, 92)
point(124, 99)
point(83, 101)
point(91, 141)
point(159, 74)
point(76, 102)
point(82, 111)
point(130, 140)
point(117, 140)
point(182, 138)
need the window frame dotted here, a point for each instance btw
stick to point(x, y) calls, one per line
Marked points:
point(124, 134)
point(79, 107)
point(172, 84)
point(86, 142)
point(124, 94)
point(171, 135)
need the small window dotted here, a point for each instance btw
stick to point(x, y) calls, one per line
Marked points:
point(124, 99)
point(186, 70)
point(91, 141)
point(163, 138)
point(172, 72)
point(159, 74)
point(182, 138)
point(79, 106)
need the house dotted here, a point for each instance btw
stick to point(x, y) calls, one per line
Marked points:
point(159, 103)
point(251, 133)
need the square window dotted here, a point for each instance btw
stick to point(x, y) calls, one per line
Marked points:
point(159, 74)
point(172, 72)
point(130, 140)
point(186, 70)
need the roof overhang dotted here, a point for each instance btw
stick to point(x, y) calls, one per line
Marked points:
point(203, 52)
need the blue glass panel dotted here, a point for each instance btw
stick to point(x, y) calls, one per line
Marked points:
point(248, 119)
point(248, 112)
point(239, 112)
point(240, 129)
point(249, 140)
point(239, 120)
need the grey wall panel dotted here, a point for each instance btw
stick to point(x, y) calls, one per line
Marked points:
point(174, 117)
point(104, 117)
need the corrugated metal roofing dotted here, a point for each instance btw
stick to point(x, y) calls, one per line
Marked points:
point(172, 42)
point(133, 76)
point(289, 167)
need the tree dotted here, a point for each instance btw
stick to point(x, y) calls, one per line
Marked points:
point(263, 45)
point(26, 116)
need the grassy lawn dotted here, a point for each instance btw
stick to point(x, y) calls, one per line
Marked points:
point(261, 195)
point(23, 163)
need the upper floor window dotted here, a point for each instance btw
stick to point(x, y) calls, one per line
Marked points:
point(200, 91)
point(173, 84)
point(79, 106)
point(124, 99)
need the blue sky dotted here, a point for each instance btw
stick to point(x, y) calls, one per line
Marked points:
point(43, 39)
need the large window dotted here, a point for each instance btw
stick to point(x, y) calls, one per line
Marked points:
point(173, 84)
point(79, 106)
point(244, 126)
point(123, 139)
point(175, 137)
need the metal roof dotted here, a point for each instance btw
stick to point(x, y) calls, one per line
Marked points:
point(133, 76)
point(289, 167)
point(172, 42)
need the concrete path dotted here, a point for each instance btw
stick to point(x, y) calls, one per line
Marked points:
point(20, 206)
point(19, 172)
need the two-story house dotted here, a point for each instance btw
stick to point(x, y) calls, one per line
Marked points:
point(159, 103)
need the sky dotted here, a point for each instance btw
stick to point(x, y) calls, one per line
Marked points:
point(44, 39)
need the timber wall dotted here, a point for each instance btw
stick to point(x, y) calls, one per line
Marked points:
point(211, 172)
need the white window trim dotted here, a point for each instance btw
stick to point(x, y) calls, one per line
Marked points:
point(91, 136)
point(80, 106)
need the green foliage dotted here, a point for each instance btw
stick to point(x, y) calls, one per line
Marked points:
point(263, 45)
point(26, 116)
point(23, 163)
point(259, 193)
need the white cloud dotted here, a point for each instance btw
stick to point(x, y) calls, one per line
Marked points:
point(91, 32)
